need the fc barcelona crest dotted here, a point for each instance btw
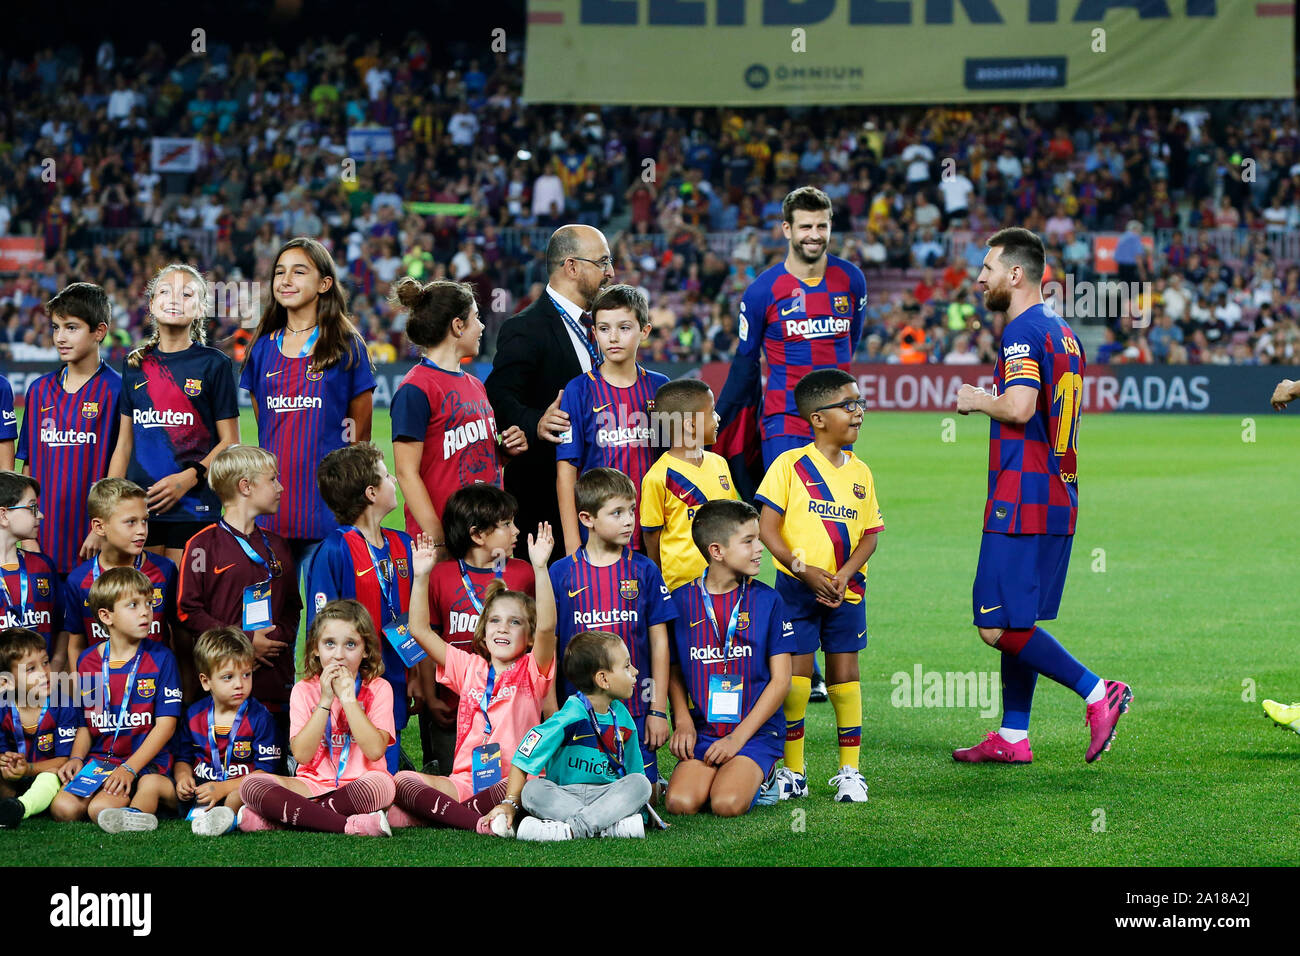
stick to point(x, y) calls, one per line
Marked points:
point(90, 409)
point(723, 483)
point(243, 748)
point(193, 386)
point(742, 621)
point(157, 597)
point(859, 491)
point(43, 586)
point(627, 590)
point(145, 687)
point(315, 375)
point(401, 566)
point(45, 742)
point(841, 304)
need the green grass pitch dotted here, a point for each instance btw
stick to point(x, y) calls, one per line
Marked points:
point(1181, 584)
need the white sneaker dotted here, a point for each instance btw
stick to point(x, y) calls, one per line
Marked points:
point(212, 822)
point(126, 819)
point(543, 831)
point(790, 785)
point(633, 827)
point(852, 787)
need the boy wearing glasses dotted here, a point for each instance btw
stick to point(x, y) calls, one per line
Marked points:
point(119, 523)
point(609, 408)
point(29, 587)
point(820, 520)
point(237, 574)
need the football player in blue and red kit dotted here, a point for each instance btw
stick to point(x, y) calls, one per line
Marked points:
point(1032, 502)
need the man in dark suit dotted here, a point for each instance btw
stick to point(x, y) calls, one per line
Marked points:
point(539, 351)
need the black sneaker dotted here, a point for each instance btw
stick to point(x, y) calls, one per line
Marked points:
point(11, 814)
point(818, 693)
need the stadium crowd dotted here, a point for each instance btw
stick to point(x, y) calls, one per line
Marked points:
point(693, 197)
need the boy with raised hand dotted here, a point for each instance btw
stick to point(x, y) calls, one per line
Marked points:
point(117, 773)
point(609, 407)
point(821, 522)
point(226, 737)
point(683, 479)
point(362, 560)
point(235, 573)
point(29, 585)
point(731, 669)
point(119, 525)
point(607, 586)
point(70, 423)
point(589, 751)
point(37, 727)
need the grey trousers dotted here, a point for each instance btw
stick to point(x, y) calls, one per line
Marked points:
point(587, 808)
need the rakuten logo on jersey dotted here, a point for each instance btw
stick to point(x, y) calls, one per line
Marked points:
point(54, 438)
point(709, 654)
point(1019, 348)
point(292, 403)
point(31, 619)
point(203, 772)
point(815, 328)
point(152, 418)
point(101, 720)
point(464, 435)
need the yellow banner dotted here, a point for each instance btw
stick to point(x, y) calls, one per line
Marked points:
point(789, 52)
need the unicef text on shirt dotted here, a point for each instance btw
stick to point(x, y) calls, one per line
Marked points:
point(153, 418)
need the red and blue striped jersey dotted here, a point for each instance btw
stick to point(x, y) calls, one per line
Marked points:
point(8, 417)
point(43, 612)
point(449, 412)
point(301, 418)
point(1033, 468)
point(610, 427)
point(254, 747)
point(156, 692)
point(762, 631)
point(451, 612)
point(51, 737)
point(174, 401)
point(343, 568)
point(160, 571)
point(67, 441)
point(626, 598)
point(797, 327)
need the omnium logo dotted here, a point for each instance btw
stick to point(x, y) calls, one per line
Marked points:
point(153, 418)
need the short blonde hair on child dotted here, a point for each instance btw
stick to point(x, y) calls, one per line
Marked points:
point(238, 462)
point(115, 584)
point(107, 493)
point(220, 644)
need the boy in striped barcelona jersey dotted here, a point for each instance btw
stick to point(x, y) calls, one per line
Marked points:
point(119, 525)
point(607, 586)
point(610, 408)
point(70, 424)
point(730, 670)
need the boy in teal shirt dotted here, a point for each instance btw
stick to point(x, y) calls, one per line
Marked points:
point(595, 783)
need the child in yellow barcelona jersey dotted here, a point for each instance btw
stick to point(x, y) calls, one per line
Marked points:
point(683, 479)
point(820, 520)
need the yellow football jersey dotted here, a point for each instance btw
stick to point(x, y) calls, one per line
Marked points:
point(671, 492)
point(825, 510)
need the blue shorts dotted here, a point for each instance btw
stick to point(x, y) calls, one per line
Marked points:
point(1019, 579)
point(777, 445)
point(765, 749)
point(648, 756)
point(836, 630)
